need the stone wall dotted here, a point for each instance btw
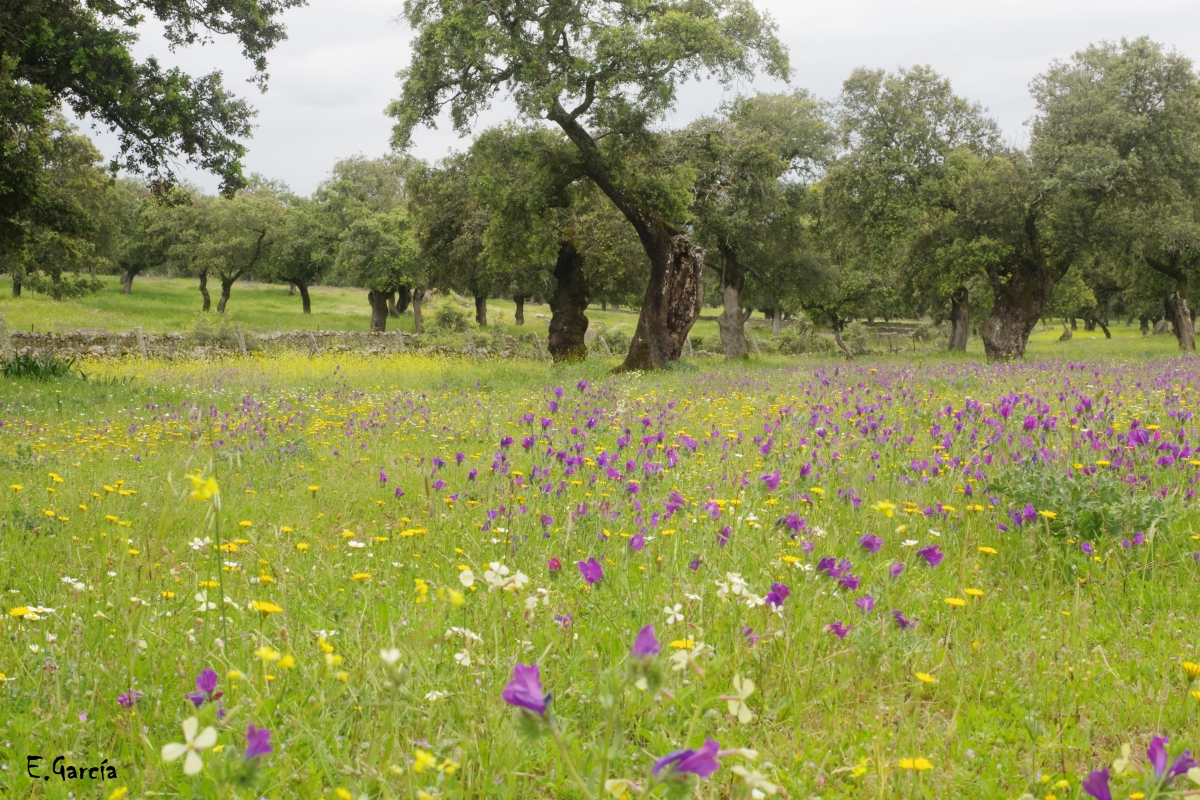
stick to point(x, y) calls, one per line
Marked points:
point(102, 344)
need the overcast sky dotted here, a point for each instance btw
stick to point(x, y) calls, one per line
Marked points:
point(334, 76)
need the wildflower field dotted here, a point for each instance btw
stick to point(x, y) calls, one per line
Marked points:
point(417, 578)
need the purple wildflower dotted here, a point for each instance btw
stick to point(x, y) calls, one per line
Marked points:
point(129, 699)
point(723, 536)
point(1087, 548)
point(702, 762)
point(646, 644)
point(1156, 753)
point(637, 542)
point(1096, 785)
point(695, 564)
point(770, 480)
point(590, 570)
point(258, 742)
point(850, 581)
point(895, 569)
point(382, 480)
point(206, 684)
point(779, 592)
point(525, 689)
point(932, 555)
point(866, 603)
point(904, 622)
point(871, 543)
point(554, 564)
point(837, 629)
point(750, 636)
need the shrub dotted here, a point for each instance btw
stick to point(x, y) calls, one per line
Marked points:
point(449, 319)
point(38, 368)
point(618, 340)
point(63, 286)
point(855, 335)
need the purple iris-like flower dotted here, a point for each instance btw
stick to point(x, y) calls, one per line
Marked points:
point(1087, 548)
point(723, 536)
point(808, 547)
point(795, 522)
point(506, 441)
point(1156, 753)
point(871, 543)
point(932, 555)
point(750, 636)
point(1029, 513)
point(850, 581)
point(1096, 785)
point(525, 689)
point(206, 684)
point(129, 699)
point(547, 520)
point(382, 480)
point(1030, 422)
point(779, 592)
point(459, 458)
point(439, 484)
point(837, 629)
point(904, 622)
point(674, 502)
point(637, 542)
point(895, 569)
point(866, 603)
point(646, 643)
point(702, 761)
point(1182, 763)
point(563, 620)
point(770, 480)
point(1139, 538)
point(827, 564)
point(554, 564)
point(695, 564)
point(590, 570)
point(258, 742)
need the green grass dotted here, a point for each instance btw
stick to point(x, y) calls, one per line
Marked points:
point(1063, 656)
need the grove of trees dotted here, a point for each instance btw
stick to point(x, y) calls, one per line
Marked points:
point(896, 199)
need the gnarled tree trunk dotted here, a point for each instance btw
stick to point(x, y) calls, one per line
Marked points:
point(379, 310)
point(1181, 319)
point(1017, 308)
point(776, 321)
point(16, 279)
point(404, 297)
point(127, 281)
point(519, 314)
point(204, 292)
point(226, 288)
point(732, 322)
point(672, 303)
point(291, 289)
point(391, 301)
point(568, 322)
point(1144, 325)
point(481, 310)
point(837, 338)
point(960, 319)
point(304, 299)
point(418, 296)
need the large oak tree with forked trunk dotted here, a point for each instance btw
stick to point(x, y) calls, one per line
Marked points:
point(602, 71)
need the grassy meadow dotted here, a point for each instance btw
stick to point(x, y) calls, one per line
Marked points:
point(906, 576)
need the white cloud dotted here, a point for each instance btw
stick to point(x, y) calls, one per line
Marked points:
point(333, 78)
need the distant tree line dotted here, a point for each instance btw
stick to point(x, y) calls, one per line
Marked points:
point(897, 199)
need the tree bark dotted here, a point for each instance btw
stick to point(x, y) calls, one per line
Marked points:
point(672, 303)
point(291, 289)
point(379, 310)
point(568, 322)
point(776, 321)
point(960, 319)
point(1089, 323)
point(732, 322)
point(304, 298)
point(1181, 318)
point(519, 314)
point(1017, 308)
point(204, 292)
point(1144, 325)
point(674, 295)
point(837, 338)
point(418, 318)
point(391, 303)
point(226, 288)
point(127, 282)
point(1073, 324)
point(1104, 327)
point(481, 310)
point(404, 297)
